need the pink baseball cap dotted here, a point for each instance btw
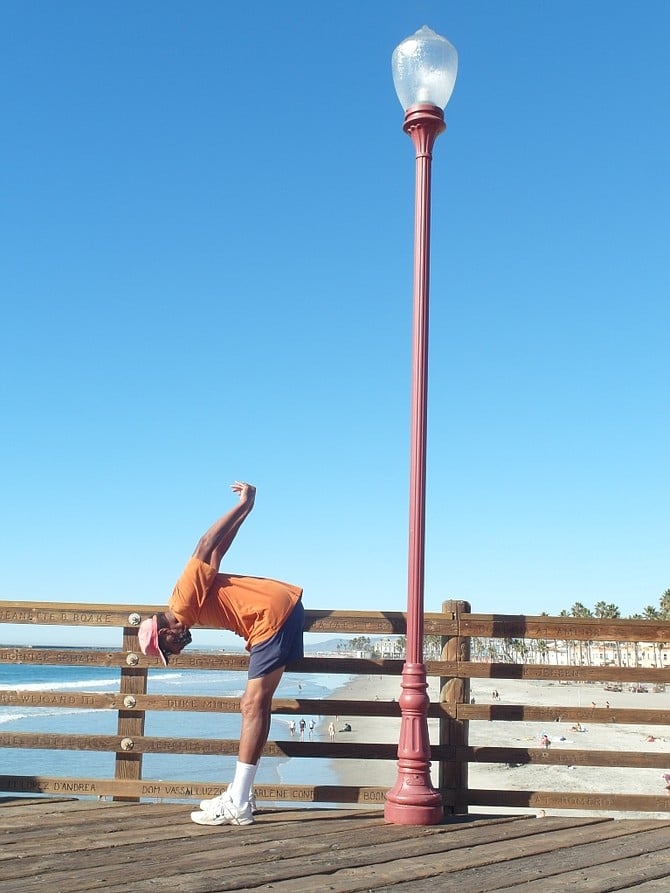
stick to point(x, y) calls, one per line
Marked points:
point(148, 638)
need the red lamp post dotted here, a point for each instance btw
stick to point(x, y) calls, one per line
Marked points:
point(424, 74)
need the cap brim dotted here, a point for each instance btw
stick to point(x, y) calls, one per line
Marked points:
point(148, 639)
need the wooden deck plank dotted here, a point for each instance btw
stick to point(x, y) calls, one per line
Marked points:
point(145, 827)
point(240, 849)
point(520, 871)
point(247, 856)
point(68, 850)
point(622, 874)
point(658, 885)
point(437, 869)
point(88, 846)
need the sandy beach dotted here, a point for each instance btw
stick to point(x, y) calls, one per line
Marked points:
point(591, 779)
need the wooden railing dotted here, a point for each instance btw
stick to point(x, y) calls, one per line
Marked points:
point(452, 751)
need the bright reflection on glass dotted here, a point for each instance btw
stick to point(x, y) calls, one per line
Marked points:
point(424, 69)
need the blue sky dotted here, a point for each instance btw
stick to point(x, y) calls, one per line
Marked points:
point(206, 237)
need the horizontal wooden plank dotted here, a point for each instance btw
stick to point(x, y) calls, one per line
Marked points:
point(72, 614)
point(502, 626)
point(198, 703)
point(561, 757)
point(548, 714)
point(188, 790)
point(65, 657)
point(562, 629)
point(128, 615)
point(476, 670)
point(202, 746)
point(333, 750)
point(205, 660)
point(564, 800)
point(191, 659)
point(371, 623)
point(335, 707)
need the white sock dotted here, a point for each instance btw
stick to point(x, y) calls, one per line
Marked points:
point(242, 783)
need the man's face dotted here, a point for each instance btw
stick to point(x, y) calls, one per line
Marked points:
point(174, 639)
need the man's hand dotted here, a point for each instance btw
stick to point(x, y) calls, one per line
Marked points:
point(246, 492)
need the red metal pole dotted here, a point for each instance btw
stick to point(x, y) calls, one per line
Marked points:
point(413, 800)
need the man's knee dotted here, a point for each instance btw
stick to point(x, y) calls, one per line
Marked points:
point(255, 700)
point(259, 691)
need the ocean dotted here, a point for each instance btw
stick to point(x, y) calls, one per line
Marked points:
point(174, 767)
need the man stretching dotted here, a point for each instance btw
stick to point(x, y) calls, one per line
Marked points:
point(268, 614)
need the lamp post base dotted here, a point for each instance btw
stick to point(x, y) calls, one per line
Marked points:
point(398, 813)
point(413, 800)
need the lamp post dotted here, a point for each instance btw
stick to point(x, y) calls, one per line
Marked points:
point(424, 73)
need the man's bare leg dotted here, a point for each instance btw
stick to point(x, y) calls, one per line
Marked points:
point(255, 707)
point(256, 710)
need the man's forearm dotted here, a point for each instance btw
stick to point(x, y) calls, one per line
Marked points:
point(216, 541)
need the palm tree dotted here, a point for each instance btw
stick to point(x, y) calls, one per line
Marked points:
point(610, 612)
point(542, 649)
point(568, 642)
point(580, 610)
point(652, 613)
point(664, 605)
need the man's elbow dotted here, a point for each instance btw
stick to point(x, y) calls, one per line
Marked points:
point(203, 550)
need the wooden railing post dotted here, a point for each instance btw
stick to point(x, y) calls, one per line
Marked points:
point(128, 765)
point(453, 774)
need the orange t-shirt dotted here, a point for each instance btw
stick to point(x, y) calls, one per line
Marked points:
point(252, 607)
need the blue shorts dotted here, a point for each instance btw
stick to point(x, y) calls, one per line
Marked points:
point(283, 648)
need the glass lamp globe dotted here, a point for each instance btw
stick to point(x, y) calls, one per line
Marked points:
point(424, 69)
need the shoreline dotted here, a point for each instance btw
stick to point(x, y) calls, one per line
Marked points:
point(587, 779)
point(366, 729)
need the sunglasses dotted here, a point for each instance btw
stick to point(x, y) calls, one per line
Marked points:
point(183, 639)
point(180, 640)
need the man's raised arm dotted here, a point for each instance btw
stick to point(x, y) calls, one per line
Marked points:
point(215, 542)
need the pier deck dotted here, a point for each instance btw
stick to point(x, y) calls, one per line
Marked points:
point(62, 846)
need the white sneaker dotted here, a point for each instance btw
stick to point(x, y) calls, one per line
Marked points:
point(225, 813)
point(214, 804)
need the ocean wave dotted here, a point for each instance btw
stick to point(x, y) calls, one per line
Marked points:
point(39, 712)
point(172, 678)
point(12, 717)
point(85, 684)
point(88, 684)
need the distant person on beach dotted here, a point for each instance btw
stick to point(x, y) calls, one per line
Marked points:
point(331, 731)
point(302, 726)
point(268, 614)
point(291, 726)
point(544, 741)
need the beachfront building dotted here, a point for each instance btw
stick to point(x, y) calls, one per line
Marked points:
point(566, 653)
